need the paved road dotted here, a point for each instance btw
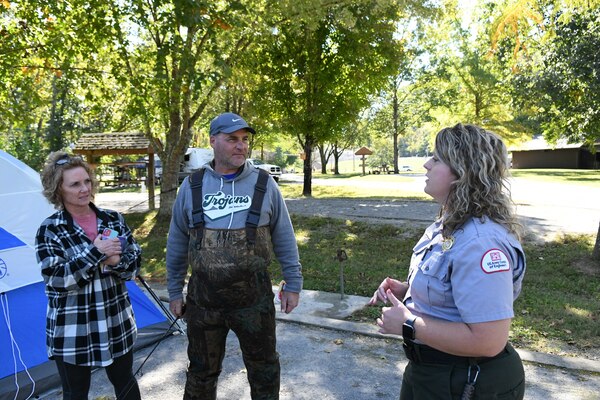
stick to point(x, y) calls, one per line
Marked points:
point(545, 208)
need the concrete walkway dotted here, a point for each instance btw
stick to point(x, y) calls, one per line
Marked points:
point(327, 310)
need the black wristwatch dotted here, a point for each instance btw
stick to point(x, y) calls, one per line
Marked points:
point(408, 329)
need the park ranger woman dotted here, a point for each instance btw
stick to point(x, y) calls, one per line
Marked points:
point(454, 310)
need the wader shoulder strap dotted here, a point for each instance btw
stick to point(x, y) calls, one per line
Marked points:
point(197, 212)
point(254, 213)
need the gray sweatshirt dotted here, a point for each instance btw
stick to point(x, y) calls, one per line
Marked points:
point(226, 204)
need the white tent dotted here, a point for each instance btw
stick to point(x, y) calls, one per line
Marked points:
point(25, 370)
point(22, 209)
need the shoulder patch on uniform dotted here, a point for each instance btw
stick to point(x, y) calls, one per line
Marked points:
point(494, 260)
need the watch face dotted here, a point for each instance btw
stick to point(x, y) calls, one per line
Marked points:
point(408, 330)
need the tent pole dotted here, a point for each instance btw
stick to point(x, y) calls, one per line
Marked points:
point(160, 304)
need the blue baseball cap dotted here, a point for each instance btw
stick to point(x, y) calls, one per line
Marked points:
point(228, 123)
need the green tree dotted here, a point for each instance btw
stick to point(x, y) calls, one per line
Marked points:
point(182, 53)
point(166, 59)
point(50, 91)
point(475, 84)
point(561, 74)
point(383, 152)
point(563, 86)
point(320, 72)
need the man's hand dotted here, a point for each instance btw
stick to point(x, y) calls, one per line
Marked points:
point(176, 307)
point(289, 301)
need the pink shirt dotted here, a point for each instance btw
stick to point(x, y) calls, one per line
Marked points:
point(89, 225)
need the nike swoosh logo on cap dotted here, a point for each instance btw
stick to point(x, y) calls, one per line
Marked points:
point(235, 120)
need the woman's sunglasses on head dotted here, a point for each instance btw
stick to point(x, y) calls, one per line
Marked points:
point(66, 159)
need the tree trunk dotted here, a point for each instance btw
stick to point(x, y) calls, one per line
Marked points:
point(55, 124)
point(336, 160)
point(596, 252)
point(178, 140)
point(323, 159)
point(307, 188)
point(395, 133)
point(169, 183)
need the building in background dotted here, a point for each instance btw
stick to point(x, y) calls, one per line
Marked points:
point(537, 153)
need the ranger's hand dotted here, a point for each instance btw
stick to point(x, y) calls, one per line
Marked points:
point(398, 288)
point(393, 317)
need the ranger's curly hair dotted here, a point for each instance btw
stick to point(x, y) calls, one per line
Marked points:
point(52, 175)
point(480, 161)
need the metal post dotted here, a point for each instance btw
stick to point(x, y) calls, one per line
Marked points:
point(341, 256)
point(158, 301)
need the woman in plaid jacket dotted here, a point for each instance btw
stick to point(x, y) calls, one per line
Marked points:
point(86, 254)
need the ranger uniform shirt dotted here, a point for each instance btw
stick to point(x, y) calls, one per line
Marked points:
point(472, 277)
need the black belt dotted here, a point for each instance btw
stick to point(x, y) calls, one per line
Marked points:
point(422, 354)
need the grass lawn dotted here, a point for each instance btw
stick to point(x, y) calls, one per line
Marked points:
point(559, 307)
point(351, 189)
point(557, 312)
point(587, 177)
point(355, 166)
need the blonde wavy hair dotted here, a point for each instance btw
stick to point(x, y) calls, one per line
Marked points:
point(52, 176)
point(479, 159)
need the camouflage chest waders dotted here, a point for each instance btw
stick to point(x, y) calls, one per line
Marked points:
point(230, 288)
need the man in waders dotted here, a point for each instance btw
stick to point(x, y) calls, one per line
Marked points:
point(227, 218)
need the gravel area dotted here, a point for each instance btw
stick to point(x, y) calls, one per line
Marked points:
point(322, 364)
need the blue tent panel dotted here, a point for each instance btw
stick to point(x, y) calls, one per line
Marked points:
point(27, 318)
point(146, 312)
point(8, 240)
point(26, 314)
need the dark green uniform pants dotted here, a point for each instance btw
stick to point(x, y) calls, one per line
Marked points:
point(501, 377)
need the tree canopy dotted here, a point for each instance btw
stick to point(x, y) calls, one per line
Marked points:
point(308, 70)
point(562, 85)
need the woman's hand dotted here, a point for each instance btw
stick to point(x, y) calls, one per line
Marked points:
point(109, 247)
point(392, 318)
point(398, 288)
point(113, 260)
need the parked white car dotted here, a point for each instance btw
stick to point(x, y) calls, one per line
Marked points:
point(193, 159)
point(404, 168)
point(273, 170)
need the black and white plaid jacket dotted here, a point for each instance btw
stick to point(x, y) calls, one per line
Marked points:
point(89, 318)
